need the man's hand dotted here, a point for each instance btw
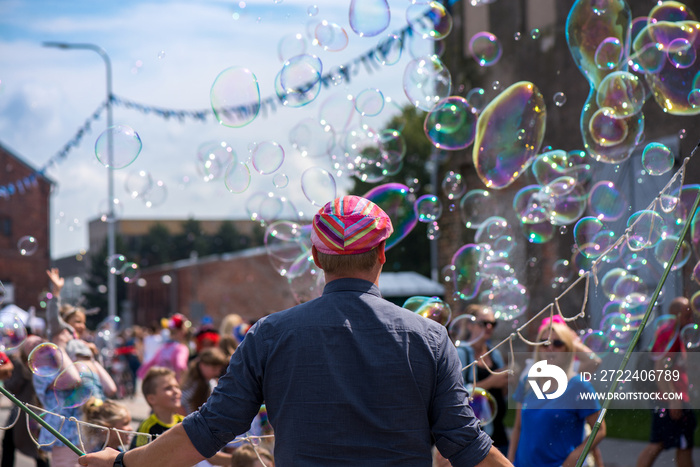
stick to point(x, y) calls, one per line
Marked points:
point(104, 458)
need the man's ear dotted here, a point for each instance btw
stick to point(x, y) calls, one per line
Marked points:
point(314, 253)
point(381, 252)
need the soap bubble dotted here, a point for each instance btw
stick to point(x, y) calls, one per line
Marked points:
point(483, 404)
point(12, 331)
point(426, 81)
point(485, 48)
point(369, 17)
point(429, 307)
point(428, 208)
point(45, 359)
point(237, 177)
point(318, 186)
point(27, 245)
point(267, 157)
point(433, 23)
point(118, 146)
point(235, 97)
point(690, 336)
point(453, 185)
point(509, 133)
point(331, 36)
point(451, 124)
point(476, 206)
point(657, 159)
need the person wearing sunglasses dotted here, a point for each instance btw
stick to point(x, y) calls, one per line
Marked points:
point(549, 420)
point(480, 330)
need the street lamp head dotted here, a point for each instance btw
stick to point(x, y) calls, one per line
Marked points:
point(58, 45)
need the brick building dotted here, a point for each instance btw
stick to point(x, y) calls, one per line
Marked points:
point(24, 211)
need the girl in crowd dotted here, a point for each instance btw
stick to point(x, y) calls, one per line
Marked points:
point(78, 376)
point(112, 415)
point(201, 376)
point(550, 432)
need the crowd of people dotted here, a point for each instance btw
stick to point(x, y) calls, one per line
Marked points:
point(321, 370)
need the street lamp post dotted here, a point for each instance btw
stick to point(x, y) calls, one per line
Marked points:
point(111, 216)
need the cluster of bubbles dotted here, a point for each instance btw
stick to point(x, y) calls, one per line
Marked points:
point(142, 186)
point(483, 270)
point(118, 265)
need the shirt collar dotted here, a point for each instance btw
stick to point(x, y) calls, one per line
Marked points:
point(349, 284)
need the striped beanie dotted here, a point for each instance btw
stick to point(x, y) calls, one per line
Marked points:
point(349, 226)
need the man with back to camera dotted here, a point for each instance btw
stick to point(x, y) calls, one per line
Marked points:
point(348, 378)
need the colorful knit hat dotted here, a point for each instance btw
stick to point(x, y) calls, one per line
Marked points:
point(349, 226)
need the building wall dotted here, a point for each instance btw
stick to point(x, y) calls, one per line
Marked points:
point(24, 210)
point(245, 284)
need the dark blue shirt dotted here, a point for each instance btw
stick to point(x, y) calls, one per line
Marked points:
point(348, 379)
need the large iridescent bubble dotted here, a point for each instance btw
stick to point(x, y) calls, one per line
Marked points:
point(667, 53)
point(394, 199)
point(509, 134)
point(588, 27)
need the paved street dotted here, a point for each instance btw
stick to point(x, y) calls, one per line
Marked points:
point(616, 453)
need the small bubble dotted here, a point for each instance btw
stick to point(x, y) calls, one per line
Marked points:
point(559, 99)
point(563, 229)
point(535, 34)
point(496, 86)
point(517, 36)
point(161, 54)
point(312, 10)
point(681, 134)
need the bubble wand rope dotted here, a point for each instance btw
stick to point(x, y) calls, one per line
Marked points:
point(41, 421)
point(637, 334)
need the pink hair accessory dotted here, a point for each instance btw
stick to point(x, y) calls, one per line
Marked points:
point(545, 322)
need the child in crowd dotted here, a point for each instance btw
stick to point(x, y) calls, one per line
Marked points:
point(162, 393)
point(78, 377)
point(112, 415)
point(202, 374)
point(246, 456)
point(174, 353)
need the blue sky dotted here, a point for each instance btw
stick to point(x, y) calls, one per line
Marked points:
point(164, 54)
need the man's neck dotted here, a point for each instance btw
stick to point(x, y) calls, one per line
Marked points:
point(370, 277)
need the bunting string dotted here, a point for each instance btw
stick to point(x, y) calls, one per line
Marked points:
point(370, 60)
